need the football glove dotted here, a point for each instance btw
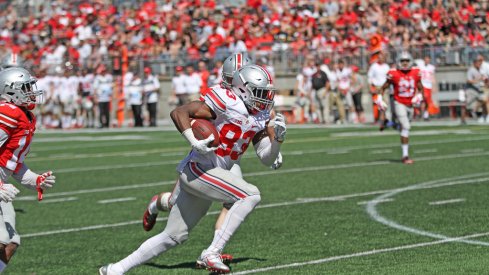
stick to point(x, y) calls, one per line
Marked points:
point(44, 181)
point(277, 163)
point(380, 103)
point(199, 145)
point(279, 127)
point(8, 192)
point(417, 99)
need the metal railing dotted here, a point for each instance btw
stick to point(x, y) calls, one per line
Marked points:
point(290, 62)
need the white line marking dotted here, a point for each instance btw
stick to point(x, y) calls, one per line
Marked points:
point(117, 200)
point(446, 201)
point(381, 151)
point(466, 179)
point(97, 190)
point(361, 254)
point(425, 151)
point(338, 152)
point(380, 201)
point(90, 138)
point(59, 200)
point(473, 150)
point(395, 133)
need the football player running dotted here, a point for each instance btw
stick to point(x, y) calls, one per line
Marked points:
point(408, 92)
point(162, 202)
point(241, 115)
point(18, 96)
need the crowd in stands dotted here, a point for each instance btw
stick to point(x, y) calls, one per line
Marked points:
point(66, 38)
point(87, 33)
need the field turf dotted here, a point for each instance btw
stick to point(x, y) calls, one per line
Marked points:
point(342, 203)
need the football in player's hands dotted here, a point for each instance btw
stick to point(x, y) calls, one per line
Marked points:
point(203, 128)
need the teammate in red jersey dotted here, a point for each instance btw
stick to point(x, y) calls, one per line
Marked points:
point(19, 96)
point(408, 91)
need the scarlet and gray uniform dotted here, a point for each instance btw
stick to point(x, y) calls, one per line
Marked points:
point(16, 130)
point(405, 85)
point(207, 178)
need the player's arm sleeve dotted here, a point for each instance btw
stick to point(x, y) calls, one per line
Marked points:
point(267, 150)
point(26, 177)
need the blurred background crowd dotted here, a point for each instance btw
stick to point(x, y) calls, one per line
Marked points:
point(123, 43)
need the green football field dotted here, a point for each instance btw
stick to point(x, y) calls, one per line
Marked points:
point(342, 203)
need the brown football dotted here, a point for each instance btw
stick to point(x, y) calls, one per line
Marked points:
point(203, 128)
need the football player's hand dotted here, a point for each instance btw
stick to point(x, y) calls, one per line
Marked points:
point(8, 192)
point(417, 99)
point(201, 146)
point(277, 163)
point(45, 180)
point(279, 127)
point(380, 103)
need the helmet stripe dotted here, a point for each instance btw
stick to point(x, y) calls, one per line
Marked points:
point(239, 61)
point(268, 74)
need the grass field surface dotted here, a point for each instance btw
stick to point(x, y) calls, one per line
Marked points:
point(342, 203)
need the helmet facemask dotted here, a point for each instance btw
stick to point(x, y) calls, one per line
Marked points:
point(23, 93)
point(260, 98)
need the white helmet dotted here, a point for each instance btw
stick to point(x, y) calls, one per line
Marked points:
point(402, 57)
point(253, 84)
point(19, 87)
point(230, 65)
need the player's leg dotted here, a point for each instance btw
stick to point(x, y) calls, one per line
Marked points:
point(9, 219)
point(5, 238)
point(160, 202)
point(403, 112)
point(184, 215)
point(218, 184)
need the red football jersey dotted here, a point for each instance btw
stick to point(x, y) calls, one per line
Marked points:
point(405, 84)
point(20, 127)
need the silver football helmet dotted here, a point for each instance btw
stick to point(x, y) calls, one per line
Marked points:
point(405, 56)
point(230, 65)
point(11, 60)
point(253, 84)
point(19, 87)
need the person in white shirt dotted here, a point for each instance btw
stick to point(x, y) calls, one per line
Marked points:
point(192, 81)
point(343, 75)
point(87, 110)
point(134, 93)
point(179, 90)
point(376, 77)
point(151, 88)
point(428, 80)
point(308, 71)
point(104, 89)
point(68, 98)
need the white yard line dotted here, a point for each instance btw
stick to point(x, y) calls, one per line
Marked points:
point(446, 201)
point(59, 200)
point(380, 201)
point(361, 254)
point(425, 151)
point(381, 151)
point(117, 200)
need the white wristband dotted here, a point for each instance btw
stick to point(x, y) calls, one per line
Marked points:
point(189, 135)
